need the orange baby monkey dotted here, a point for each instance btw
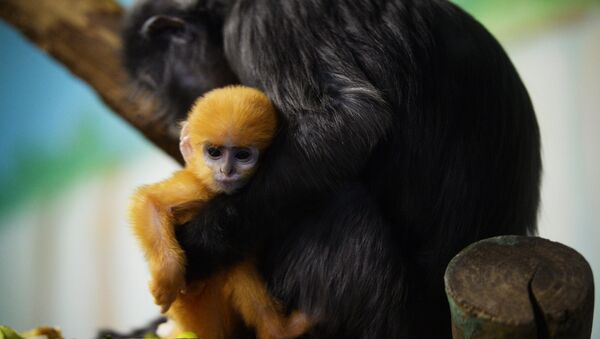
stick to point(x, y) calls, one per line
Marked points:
point(224, 136)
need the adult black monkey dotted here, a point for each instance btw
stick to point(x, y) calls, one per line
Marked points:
point(174, 52)
point(407, 134)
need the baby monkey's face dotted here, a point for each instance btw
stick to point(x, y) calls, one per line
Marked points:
point(231, 166)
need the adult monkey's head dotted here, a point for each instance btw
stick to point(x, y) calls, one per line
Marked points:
point(173, 51)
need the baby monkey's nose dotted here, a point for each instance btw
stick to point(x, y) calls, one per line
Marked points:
point(227, 169)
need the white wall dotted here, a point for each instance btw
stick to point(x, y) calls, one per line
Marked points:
point(73, 262)
point(561, 70)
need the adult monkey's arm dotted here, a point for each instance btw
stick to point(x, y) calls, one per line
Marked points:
point(84, 36)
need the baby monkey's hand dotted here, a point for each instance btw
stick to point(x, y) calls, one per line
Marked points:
point(167, 282)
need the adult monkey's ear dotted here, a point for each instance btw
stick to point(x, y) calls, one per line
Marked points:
point(163, 26)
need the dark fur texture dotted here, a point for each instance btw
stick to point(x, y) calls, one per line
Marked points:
point(406, 135)
point(175, 64)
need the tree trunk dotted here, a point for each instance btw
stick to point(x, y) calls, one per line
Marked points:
point(84, 36)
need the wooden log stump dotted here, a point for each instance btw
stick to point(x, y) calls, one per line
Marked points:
point(520, 287)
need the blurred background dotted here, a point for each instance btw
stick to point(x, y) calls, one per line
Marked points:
point(68, 166)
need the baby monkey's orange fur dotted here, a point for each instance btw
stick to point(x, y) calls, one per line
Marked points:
point(214, 307)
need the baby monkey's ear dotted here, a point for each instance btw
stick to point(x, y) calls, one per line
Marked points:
point(164, 27)
point(185, 147)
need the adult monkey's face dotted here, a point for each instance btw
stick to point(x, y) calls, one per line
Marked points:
point(173, 51)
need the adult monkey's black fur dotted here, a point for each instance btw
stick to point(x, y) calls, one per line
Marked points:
point(175, 53)
point(407, 134)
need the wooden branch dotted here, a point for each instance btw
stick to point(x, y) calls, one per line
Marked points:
point(520, 287)
point(84, 36)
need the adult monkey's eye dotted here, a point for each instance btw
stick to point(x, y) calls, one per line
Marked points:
point(214, 152)
point(243, 154)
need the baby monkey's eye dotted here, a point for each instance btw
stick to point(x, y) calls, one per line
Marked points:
point(214, 152)
point(243, 154)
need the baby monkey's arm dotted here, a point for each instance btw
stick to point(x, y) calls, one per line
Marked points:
point(154, 212)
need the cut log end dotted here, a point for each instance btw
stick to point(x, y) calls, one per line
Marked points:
point(520, 287)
